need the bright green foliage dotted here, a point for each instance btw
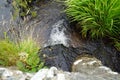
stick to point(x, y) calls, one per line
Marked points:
point(98, 18)
point(23, 8)
point(22, 54)
point(8, 53)
point(29, 60)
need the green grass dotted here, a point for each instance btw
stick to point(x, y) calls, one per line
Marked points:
point(29, 60)
point(23, 55)
point(8, 53)
point(98, 18)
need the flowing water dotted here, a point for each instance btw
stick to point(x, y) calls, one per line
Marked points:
point(57, 35)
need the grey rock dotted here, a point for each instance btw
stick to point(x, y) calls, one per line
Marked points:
point(14, 74)
point(55, 74)
point(86, 64)
point(44, 73)
point(62, 75)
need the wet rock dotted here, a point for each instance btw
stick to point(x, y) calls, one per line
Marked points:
point(90, 65)
point(59, 56)
point(86, 67)
point(63, 57)
point(108, 55)
point(86, 64)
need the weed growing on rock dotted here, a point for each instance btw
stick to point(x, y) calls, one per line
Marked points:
point(22, 54)
point(28, 58)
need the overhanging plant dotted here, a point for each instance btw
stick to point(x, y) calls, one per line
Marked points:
point(98, 18)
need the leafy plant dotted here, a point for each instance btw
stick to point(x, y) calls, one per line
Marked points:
point(98, 18)
point(22, 54)
point(29, 60)
point(8, 53)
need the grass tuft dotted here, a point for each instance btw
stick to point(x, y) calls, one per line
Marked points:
point(98, 18)
point(23, 55)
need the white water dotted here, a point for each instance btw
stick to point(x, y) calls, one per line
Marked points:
point(57, 35)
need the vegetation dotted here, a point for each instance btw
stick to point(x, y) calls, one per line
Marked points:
point(29, 60)
point(15, 50)
point(22, 54)
point(23, 8)
point(117, 45)
point(97, 18)
point(8, 53)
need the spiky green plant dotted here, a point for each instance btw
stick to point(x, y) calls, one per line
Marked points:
point(98, 18)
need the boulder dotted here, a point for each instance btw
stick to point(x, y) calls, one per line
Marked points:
point(59, 56)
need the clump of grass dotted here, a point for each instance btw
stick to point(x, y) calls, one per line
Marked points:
point(98, 18)
point(22, 54)
point(8, 53)
point(29, 60)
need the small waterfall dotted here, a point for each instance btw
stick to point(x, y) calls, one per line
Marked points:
point(57, 35)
